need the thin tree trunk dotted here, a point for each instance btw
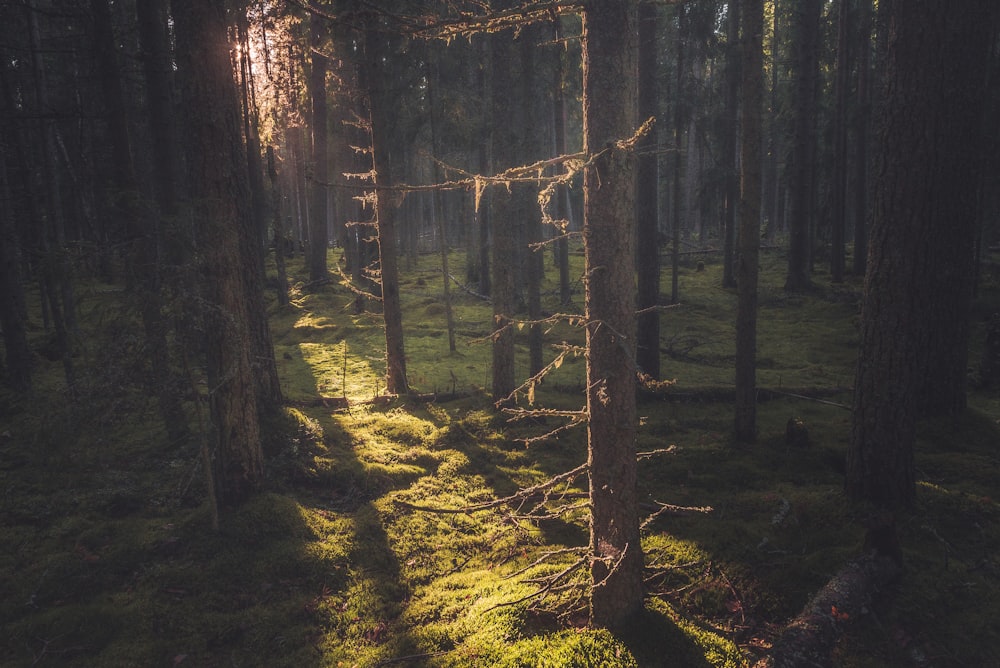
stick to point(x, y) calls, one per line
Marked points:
point(862, 115)
point(750, 201)
point(280, 235)
point(432, 81)
point(385, 210)
point(143, 260)
point(647, 223)
point(320, 171)
point(840, 166)
point(729, 158)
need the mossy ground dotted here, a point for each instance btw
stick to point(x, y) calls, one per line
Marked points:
point(107, 557)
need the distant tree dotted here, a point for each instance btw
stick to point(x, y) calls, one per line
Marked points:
point(647, 188)
point(503, 210)
point(320, 159)
point(802, 174)
point(140, 231)
point(750, 206)
point(610, 55)
point(918, 283)
point(18, 355)
point(220, 201)
point(861, 124)
point(730, 132)
point(838, 212)
point(386, 201)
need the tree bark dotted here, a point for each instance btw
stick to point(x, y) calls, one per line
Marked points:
point(647, 188)
point(915, 316)
point(729, 160)
point(320, 168)
point(750, 199)
point(386, 204)
point(810, 638)
point(143, 258)
point(220, 205)
point(610, 55)
point(801, 180)
point(840, 166)
point(18, 355)
point(502, 213)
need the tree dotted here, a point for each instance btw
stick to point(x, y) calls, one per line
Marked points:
point(918, 283)
point(730, 133)
point(750, 206)
point(503, 211)
point(610, 55)
point(220, 201)
point(320, 167)
point(840, 122)
point(802, 177)
point(18, 355)
point(647, 186)
point(379, 105)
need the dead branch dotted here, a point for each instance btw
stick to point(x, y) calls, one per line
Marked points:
point(809, 639)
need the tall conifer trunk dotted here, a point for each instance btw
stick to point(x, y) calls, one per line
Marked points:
point(610, 55)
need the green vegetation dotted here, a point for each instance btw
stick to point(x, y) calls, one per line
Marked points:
point(107, 557)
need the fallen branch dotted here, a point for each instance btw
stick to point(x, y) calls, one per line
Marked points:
point(810, 638)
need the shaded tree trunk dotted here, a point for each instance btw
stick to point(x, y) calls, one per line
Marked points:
point(220, 200)
point(18, 355)
point(503, 210)
point(862, 115)
point(320, 166)
point(915, 317)
point(801, 180)
point(750, 205)
point(647, 187)
point(840, 166)
point(610, 55)
point(730, 133)
point(143, 259)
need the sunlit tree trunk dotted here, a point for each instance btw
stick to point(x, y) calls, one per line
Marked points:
point(750, 206)
point(610, 55)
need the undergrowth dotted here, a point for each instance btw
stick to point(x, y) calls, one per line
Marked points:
point(108, 558)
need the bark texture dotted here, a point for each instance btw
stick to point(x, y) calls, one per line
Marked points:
point(610, 54)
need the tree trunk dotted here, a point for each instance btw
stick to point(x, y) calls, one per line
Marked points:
point(432, 82)
point(220, 206)
point(12, 305)
point(801, 180)
point(610, 55)
point(675, 223)
point(647, 187)
point(320, 168)
point(502, 213)
point(862, 115)
point(840, 166)
point(143, 259)
point(386, 204)
point(915, 317)
point(730, 132)
point(750, 199)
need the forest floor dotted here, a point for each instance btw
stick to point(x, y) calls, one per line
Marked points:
point(107, 556)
